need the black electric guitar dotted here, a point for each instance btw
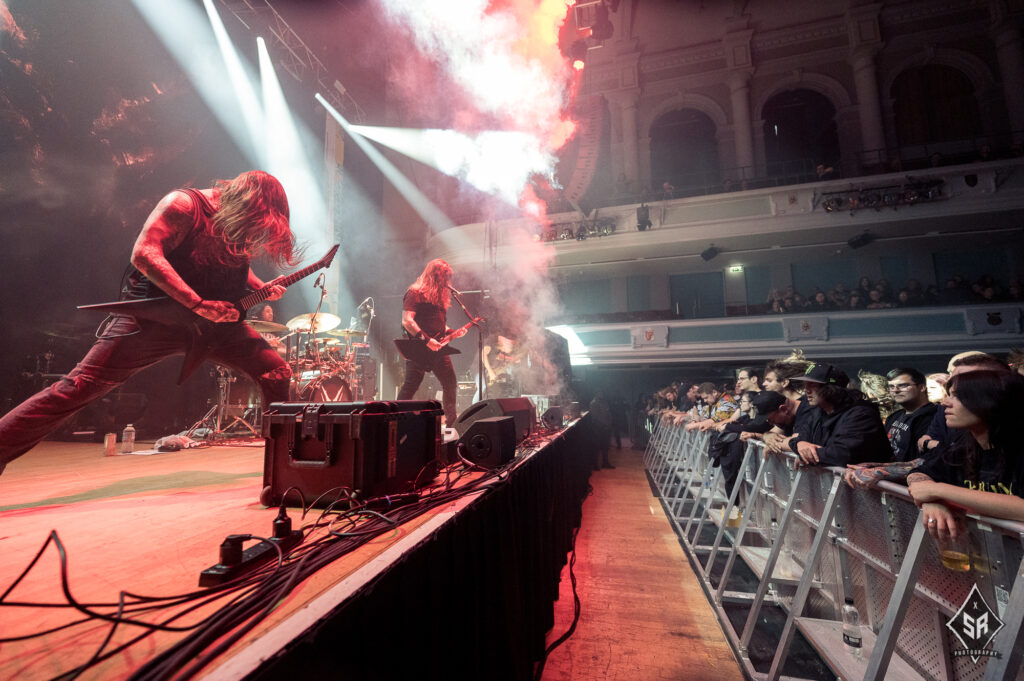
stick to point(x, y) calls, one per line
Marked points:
point(166, 310)
point(419, 353)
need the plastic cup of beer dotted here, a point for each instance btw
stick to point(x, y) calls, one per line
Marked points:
point(954, 553)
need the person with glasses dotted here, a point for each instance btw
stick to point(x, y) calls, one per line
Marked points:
point(904, 427)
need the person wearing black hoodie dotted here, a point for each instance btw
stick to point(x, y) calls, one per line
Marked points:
point(850, 429)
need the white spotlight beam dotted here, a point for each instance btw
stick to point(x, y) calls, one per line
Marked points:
point(200, 59)
point(241, 82)
point(287, 161)
point(430, 213)
point(494, 161)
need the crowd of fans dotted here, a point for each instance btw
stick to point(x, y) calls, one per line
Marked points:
point(879, 295)
point(950, 437)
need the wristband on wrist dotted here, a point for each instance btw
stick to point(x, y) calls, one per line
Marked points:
point(201, 301)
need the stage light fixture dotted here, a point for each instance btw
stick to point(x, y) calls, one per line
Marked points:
point(709, 253)
point(643, 218)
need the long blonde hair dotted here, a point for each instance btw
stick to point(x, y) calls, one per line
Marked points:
point(251, 216)
point(433, 283)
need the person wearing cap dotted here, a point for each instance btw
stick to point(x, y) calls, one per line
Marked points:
point(849, 429)
point(788, 413)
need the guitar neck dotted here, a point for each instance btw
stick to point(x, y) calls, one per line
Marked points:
point(262, 294)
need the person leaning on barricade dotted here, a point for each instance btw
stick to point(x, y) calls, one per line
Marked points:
point(727, 448)
point(799, 415)
point(938, 432)
point(904, 427)
point(721, 406)
point(849, 429)
point(983, 473)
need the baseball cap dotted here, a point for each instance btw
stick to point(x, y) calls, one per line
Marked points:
point(767, 402)
point(824, 373)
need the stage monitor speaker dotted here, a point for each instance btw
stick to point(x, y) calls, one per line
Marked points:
point(552, 418)
point(490, 442)
point(519, 408)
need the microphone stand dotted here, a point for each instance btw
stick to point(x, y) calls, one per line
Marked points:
point(479, 343)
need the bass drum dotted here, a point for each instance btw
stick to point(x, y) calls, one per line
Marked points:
point(311, 386)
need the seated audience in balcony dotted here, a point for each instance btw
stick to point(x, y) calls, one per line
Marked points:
point(819, 302)
point(856, 302)
point(875, 301)
point(864, 287)
point(984, 154)
point(849, 429)
point(915, 293)
point(984, 472)
point(721, 405)
point(839, 296)
point(904, 427)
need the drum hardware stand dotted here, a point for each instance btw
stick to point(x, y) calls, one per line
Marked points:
point(218, 413)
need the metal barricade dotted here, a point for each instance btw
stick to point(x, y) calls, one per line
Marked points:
point(812, 542)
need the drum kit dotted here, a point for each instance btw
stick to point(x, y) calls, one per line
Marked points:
point(327, 363)
point(322, 358)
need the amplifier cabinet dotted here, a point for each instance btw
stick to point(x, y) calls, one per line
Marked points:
point(314, 450)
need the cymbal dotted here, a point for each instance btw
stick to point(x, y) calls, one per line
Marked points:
point(324, 322)
point(266, 327)
point(346, 333)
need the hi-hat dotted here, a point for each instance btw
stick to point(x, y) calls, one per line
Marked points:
point(265, 326)
point(324, 322)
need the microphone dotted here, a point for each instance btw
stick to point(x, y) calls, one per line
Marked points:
point(369, 299)
point(319, 283)
point(454, 290)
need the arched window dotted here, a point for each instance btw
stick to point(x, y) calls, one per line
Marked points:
point(799, 134)
point(684, 152)
point(934, 103)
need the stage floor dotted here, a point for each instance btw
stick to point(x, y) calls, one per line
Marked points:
point(146, 525)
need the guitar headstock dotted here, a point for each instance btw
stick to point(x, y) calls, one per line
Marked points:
point(326, 261)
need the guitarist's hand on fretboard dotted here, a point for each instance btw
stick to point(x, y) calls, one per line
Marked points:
point(274, 290)
point(217, 311)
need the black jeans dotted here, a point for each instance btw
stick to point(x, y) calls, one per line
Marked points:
point(445, 373)
point(123, 349)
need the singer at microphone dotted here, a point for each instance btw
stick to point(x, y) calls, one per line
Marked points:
point(424, 317)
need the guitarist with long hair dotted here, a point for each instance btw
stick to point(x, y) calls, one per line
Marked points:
point(195, 248)
point(424, 317)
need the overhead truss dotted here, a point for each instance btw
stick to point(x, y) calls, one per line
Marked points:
point(295, 57)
